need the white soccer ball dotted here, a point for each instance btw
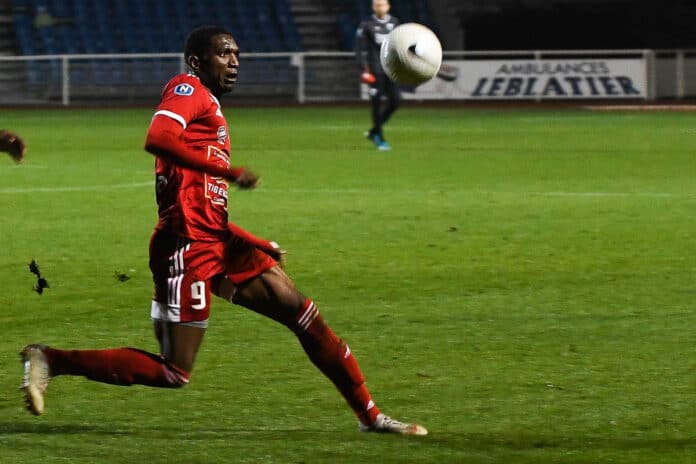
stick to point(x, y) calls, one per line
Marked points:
point(411, 54)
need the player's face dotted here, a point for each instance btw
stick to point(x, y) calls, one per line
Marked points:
point(218, 71)
point(380, 8)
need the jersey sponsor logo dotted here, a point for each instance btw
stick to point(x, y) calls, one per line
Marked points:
point(222, 135)
point(216, 191)
point(214, 152)
point(216, 187)
point(184, 90)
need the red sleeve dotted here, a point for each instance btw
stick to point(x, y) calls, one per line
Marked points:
point(165, 139)
point(183, 99)
point(265, 245)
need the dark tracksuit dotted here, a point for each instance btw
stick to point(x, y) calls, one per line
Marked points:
point(370, 35)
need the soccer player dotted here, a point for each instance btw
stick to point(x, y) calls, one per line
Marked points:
point(370, 35)
point(13, 145)
point(196, 252)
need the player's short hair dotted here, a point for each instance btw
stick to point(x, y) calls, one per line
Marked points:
point(198, 41)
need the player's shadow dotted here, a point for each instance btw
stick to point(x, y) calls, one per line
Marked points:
point(13, 428)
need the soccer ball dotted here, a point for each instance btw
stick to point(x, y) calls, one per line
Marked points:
point(411, 54)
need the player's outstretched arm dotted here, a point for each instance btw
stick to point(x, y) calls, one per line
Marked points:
point(13, 145)
point(165, 139)
point(272, 249)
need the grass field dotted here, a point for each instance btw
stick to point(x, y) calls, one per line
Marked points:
point(522, 282)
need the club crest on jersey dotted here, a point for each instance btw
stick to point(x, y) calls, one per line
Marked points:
point(184, 90)
point(222, 134)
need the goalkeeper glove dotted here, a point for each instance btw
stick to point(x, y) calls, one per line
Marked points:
point(367, 77)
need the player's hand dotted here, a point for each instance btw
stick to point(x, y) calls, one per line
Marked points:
point(13, 145)
point(367, 77)
point(278, 254)
point(247, 180)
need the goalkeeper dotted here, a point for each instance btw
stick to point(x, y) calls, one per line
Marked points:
point(370, 35)
point(13, 145)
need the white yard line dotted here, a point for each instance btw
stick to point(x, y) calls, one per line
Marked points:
point(75, 188)
point(353, 191)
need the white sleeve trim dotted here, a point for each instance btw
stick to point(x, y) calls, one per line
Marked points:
point(172, 115)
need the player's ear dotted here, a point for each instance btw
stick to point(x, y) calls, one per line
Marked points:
point(194, 63)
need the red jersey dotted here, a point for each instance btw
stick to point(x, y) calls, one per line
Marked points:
point(193, 204)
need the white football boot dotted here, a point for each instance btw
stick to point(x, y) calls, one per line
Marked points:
point(385, 424)
point(37, 374)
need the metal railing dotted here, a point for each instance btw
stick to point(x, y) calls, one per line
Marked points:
point(265, 77)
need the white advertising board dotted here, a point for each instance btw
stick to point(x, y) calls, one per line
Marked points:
point(544, 79)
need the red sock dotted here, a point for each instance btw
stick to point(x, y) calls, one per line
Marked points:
point(334, 359)
point(121, 366)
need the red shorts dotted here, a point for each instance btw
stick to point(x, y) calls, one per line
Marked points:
point(182, 271)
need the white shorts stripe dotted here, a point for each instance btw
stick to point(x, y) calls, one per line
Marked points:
point(176, 271)
point(172, 115)
point(174, 297)
point(174, 262)
point(171, 310)
point(161, 312)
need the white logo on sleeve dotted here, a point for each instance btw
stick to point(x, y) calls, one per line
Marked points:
point(184, 90)
point(222, 135)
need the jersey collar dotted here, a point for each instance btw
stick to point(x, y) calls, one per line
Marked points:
point(386, 19)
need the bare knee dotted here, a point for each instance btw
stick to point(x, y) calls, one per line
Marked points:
point(272, 294)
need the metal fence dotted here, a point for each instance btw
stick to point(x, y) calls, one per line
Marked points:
point(135, 79)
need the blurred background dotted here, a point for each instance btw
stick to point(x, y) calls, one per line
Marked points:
point(123, 51)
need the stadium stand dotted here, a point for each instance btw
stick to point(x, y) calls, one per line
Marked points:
point(132, 26)
point(89, 27)
point(54, 27)
point(316, 21)
point(354, 11)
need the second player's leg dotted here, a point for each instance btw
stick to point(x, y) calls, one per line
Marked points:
point(393, 94)
point(376, 111)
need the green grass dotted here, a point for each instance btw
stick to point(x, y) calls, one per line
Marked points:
point(521, 282)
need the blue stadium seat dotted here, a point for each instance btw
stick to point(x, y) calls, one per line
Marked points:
point(27, 45)
point(346, 26)
point(25, 37)
point(287, 26)
point(101, 30)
